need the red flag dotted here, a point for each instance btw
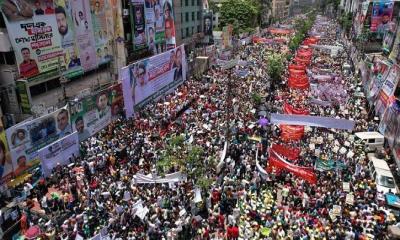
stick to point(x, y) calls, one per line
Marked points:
point(291, 132)
point(289, 109)
point(297, 67)
point(287, 152)
point(306, 173)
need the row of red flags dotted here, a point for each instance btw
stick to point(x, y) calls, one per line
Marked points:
point(297, 79)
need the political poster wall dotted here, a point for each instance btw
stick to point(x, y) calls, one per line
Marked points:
point(84, 33)
point(26, 138)
point(152, 77)
point(32, 28)
point(101, 12)
point(153, 25)
point(387, 90)
point(390, 124)
point(66, 30)
point(91, 114)
point(59, 153)
point(382, 11)
point(380, 69)
point(6, 167)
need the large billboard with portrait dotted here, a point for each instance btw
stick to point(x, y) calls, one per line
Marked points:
point(208, 26)
point(26, 138)
point(65, 36)
point(6, 167)
point(59, 152)
point(387, 89)
point(152, 77)
point(91, 114)
point(382, 11)
point(153, 25)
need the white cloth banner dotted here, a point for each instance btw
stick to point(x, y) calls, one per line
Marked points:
point(59, 152)
point(168, 178)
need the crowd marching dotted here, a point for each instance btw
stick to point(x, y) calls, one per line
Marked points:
point(247, 199)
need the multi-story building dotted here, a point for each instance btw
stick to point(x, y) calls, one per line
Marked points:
point(280, 8)
point(188, 20)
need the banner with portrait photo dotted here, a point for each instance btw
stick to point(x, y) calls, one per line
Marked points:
point(139, 25)
point(155, 28)
point(91, 114)
point(32, 28)
point(6, 167)
point(208, 26)
point(59, 153)
point(169, 23)
point(84, 33)
point(391, 123)
point(26, 138)
point(382, 11)
point(387, 90)
point(66, 29)
point(101, 15)
point(152, 77)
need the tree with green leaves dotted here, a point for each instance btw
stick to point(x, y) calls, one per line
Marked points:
point(244, 15)
point(275, 66)
point(188, 159)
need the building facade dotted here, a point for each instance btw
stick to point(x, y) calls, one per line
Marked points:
point(280, 9)
point(188, 20)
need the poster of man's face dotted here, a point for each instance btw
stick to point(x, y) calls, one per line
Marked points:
point(207, 24)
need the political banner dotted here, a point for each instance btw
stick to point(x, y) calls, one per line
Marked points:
point(227, 36)
point(59, 152)
point(169, 21)
point(66, 29)
point(291, 133)
point(389, 38)
point(391, 123)
point(32, 28)
point(152, 77)
point(91, 114)
point(328, 165)
point(26, 138)
point(208, 26)
point(287, 152)
point(387, 90)
point(155, 27)
point(101, 13)
point(139, 25)
point(289, 109)
point(277, 162)
point(313, 121)
point(394, 55)
point(84, 33)
point(380, 71)
point(382, 11)
point(6, 167)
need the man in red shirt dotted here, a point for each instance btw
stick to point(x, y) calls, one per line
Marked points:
point(28, 68)
point(233, 232)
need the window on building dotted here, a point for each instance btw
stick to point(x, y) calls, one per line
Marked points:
point(187, 32)
point(186, 2)
point(192, 30)
point(192, 2)
point(193, 16)
point(7, 58)
point(198, 15)
point(187, 17)
point(181, 17)
point(198, 28)
point(199, 3)
point(182, 34)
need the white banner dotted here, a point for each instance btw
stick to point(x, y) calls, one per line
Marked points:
point(59, 152)
point(168, 178)
point(152, 77)
point(25, 139)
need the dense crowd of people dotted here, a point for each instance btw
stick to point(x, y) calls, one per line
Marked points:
point(97, 192)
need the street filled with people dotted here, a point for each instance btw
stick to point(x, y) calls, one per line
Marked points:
point(247, 194)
